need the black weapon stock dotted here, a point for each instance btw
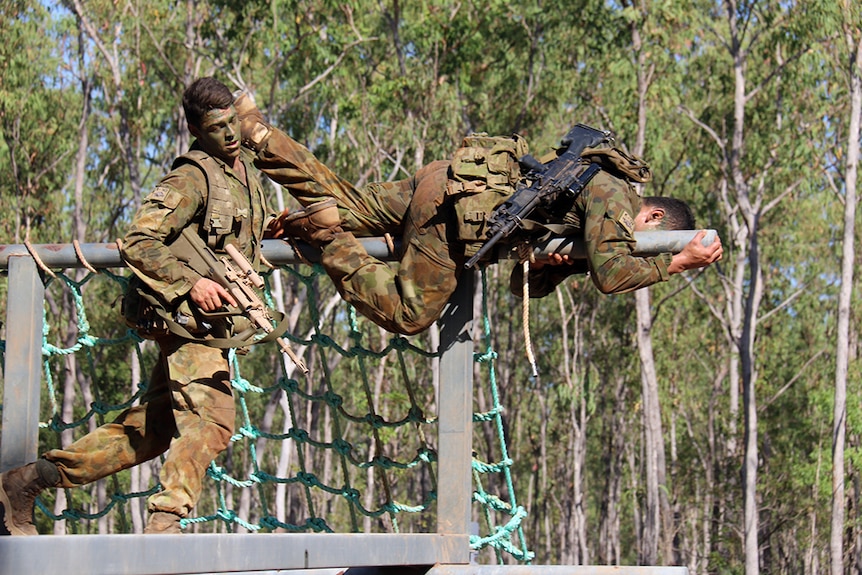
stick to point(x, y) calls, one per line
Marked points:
point(559, 176)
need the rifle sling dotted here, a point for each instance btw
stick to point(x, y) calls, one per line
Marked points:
point(220, 342)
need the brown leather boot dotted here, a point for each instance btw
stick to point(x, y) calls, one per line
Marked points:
point(316, 224)
point(254, 130)
point(18, 490)
point(163, 522)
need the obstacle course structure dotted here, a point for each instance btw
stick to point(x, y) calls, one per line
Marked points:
point(449, 546)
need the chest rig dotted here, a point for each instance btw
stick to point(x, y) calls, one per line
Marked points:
point(222, 217)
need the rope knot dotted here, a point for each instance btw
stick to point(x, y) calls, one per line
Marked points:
point(298, 434)
point(375, 421)
point(350, 493)
point(342, 447)
point(317, 524)
point(332, 399)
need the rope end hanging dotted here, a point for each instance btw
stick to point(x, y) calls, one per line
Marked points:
point(525, 307)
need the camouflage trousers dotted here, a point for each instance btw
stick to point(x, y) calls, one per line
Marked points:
point(187, 410)
point(404, 298)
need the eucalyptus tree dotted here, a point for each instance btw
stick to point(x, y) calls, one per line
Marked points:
point(37, 118)
point(754, 49)
point(848, 50)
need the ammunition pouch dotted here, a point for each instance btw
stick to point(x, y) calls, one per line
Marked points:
point(151, 317)
point(484, 172)
point(143, 311)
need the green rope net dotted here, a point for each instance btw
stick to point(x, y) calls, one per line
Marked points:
point(350, 447)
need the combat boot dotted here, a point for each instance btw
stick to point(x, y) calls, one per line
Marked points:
point(254, 130)
point(163, 522)
point(316, 224)
point(18, 490)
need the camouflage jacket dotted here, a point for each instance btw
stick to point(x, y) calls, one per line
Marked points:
point(180, 200)
point(605, 212)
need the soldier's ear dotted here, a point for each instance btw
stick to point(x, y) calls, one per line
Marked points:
point(655, 215)
point(193, 130)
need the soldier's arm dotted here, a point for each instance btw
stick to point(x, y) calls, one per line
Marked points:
point(696, 255)
point(610, 208)
point(162, 216)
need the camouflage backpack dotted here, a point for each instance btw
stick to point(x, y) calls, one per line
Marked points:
point(483, 174)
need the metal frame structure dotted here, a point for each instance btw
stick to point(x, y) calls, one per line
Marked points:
point(225, 553)
point(261, 554)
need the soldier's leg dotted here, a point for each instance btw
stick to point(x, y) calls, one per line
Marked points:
point(137, 435)
point(372, 210)
point(204, 411)
point(410, 298)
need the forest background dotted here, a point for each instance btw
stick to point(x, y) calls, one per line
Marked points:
point(703, 422)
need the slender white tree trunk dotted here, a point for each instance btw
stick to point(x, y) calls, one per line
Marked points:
point(844, 307)
point(654, 455)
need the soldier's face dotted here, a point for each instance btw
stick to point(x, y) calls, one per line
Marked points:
point(219, 134)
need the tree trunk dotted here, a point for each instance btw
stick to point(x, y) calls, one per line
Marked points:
point(137, 476)
point(656, 504)
point(836, 548)
point(613, 459)
point(572, 340)
point(654, 457)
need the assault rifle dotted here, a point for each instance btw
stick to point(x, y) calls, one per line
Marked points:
point(236, 274)
point(549, 181)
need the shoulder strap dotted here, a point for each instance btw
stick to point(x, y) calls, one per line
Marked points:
point(217, 220)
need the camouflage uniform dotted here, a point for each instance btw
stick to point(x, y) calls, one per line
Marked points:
point(406, 298)
point(188, 407)
point(604, 213)
point(409, 297)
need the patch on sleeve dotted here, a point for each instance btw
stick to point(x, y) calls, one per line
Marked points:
point(165, 196)
point(627, 221)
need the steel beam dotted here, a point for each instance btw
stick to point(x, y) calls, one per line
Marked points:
point(23, 372)
point(220, 553)
point(552, 570)
point(455, 414)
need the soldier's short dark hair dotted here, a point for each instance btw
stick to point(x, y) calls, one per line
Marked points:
point(203, 95)
point(677, 213)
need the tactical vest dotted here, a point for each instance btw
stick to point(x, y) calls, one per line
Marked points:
point(483, 174)
point(144, 310)
point(221, 213)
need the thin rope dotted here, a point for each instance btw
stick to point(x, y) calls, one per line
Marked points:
point(525, 314)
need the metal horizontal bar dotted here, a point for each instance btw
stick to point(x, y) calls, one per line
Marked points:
point(648, 243)
point(223, 553)
point(61, 256)
point(279, 252)
point(552, 570)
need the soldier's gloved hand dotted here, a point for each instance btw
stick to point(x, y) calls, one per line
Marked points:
point(253, 128)
point(209, 295)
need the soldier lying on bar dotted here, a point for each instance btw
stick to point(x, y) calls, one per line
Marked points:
point(440, 214)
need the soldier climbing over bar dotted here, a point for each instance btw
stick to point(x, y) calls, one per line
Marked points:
point(441, 215)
